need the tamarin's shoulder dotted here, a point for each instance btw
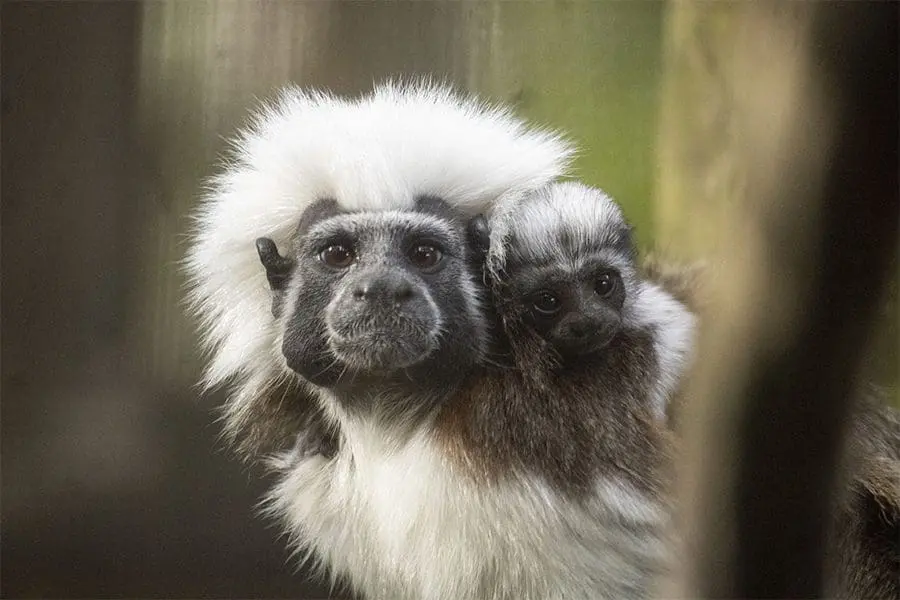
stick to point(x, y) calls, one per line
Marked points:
point(688, 282)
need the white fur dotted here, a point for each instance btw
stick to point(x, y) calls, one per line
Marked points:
point(376, 152)
point(674, 328)
point(586, 213)
point(398, 522)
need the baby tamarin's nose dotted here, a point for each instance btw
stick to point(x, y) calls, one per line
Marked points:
point(581, 328)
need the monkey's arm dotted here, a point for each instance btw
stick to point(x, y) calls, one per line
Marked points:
point(316, 437)
point(279, 415)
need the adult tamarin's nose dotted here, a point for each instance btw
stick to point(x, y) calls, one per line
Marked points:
point(388, 287)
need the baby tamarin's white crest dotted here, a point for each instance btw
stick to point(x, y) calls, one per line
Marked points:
point(380, 151)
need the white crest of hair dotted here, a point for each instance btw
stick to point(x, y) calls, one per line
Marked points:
point(375, 152)
point(585, 213)
point(397, 521)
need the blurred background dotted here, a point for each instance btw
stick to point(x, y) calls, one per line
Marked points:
point(114, 483)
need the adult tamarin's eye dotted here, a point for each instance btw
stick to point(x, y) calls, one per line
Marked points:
point(606, 284)
point(337, 256)
point(425, 256)
point(546, 303)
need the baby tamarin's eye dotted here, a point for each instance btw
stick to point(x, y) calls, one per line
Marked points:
point(607, 283)
point(546, 303)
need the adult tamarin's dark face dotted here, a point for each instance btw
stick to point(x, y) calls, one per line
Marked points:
point(378, 294)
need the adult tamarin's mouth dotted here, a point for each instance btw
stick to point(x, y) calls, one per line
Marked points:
point(382, 350)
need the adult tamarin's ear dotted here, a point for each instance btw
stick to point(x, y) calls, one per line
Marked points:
point(278, 268)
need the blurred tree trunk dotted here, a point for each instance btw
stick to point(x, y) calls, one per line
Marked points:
point(724, 118)
point(720, 58)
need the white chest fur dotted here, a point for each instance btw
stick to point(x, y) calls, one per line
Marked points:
point(402, 523)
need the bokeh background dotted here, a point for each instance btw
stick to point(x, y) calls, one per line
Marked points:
point(114, 483)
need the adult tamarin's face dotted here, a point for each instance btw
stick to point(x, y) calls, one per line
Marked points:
point(380, 294)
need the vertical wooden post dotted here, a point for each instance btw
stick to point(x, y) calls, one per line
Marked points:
point(809, 98)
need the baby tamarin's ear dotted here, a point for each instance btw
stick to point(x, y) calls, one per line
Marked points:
point(479, 234)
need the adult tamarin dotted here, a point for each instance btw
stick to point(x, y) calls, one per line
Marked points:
point(396, 174)
point(541, 478)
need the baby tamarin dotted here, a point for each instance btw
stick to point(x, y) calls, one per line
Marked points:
point(541, 479)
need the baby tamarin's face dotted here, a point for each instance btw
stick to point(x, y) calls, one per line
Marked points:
point(569, 268)
point(577, 307)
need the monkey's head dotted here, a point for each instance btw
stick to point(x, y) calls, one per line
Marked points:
point(385, 295)
point(378, 151)
point(569, 268)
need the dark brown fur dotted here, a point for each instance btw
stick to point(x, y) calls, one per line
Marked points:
point(864, 548)
point(272, 420)
point(567, 423)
